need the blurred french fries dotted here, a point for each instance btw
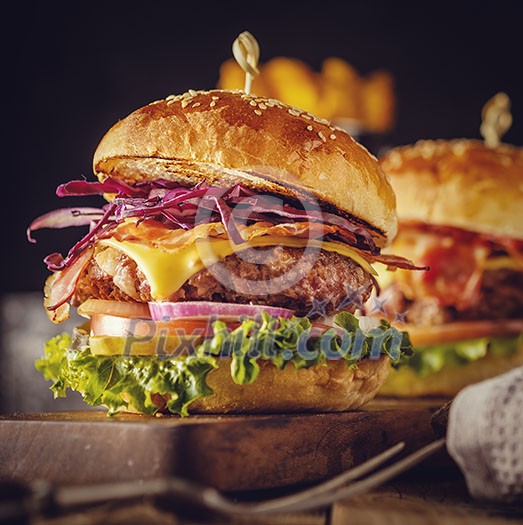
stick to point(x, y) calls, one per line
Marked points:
point(337, 93)
point(292, 81)
point(341, 87)
point(378, 101)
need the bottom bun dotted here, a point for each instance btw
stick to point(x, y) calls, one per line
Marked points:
point(447, 382)
point(320, 388)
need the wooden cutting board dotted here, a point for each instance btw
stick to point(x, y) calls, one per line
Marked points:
point(231, 453)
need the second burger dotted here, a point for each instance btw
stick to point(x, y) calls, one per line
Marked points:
point(460, 205)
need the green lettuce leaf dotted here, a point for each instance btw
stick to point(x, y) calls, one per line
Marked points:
point(125, 382)
point(430, 359)
point(284, 341)
point(121, 383)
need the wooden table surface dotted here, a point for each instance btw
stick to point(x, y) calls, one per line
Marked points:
point(288, 449)
point(229, 453)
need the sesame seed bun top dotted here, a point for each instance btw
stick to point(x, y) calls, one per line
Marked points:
point(229, 137)
point(461, 183)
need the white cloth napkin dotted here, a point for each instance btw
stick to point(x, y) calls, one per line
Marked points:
point(485, 436)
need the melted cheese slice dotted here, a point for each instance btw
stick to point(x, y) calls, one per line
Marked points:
point(167, 270)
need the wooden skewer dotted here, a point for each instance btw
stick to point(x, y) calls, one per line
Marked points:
point(246, 51)
point(496, 119)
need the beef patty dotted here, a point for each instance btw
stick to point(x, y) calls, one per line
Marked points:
point(332, 280)
point(500, 297)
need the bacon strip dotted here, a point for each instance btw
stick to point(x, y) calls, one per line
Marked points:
point(60, 287)
point(395, 261)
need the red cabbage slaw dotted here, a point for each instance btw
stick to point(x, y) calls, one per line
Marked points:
point(177, 206)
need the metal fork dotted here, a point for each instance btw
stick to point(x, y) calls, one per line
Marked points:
point(45, 499)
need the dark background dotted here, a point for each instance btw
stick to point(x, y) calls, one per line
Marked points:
point(71, 71)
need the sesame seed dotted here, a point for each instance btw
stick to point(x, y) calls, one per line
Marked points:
point(216, 98)
point(196, 104)
point(460, 149)
point(212, 104)
point(262, 106)
point(184, 103)
point(322, 136)
point(192, 92)
point(253, 103)
point(333, 136)
point(394, 159)
point(257, 111)
point(427, 149)
point(310, 128)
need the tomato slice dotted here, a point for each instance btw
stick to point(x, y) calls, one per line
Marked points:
point(112, 325)
point(460, 331)
point(113, 335)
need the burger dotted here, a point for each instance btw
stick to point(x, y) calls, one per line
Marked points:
point(460, 208)
point(223, 271)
